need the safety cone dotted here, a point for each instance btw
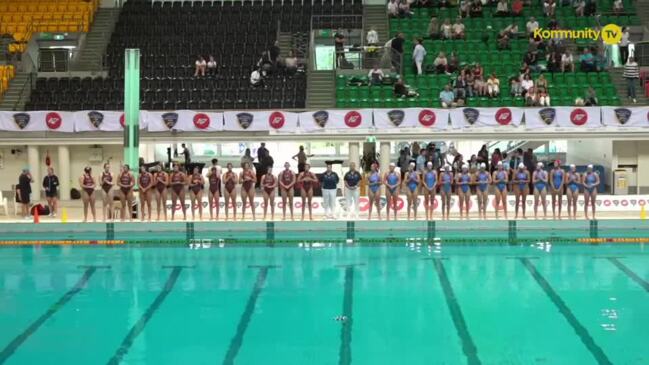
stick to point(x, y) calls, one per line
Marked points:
point(64, 215)
point(643, 213)
point(36, 217)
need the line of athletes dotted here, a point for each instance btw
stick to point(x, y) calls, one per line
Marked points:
point(157, 185)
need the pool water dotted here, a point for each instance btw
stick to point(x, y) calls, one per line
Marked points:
point(330, 304)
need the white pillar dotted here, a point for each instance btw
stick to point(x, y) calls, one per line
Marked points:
point(354, 154)
point(63, 172)
point(33, 161)
point(384, 151)
point(147, 152)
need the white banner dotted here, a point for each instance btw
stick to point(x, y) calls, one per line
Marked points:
point(106, 121)
point(563, 116)
point(411, 118)
point(486, 117)
point(604, 203)
point(37, 121)
point(267, 120)
point(323, 120)
point(625, 117)
point(184, 120)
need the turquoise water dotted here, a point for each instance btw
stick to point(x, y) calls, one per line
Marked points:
point(403, 304)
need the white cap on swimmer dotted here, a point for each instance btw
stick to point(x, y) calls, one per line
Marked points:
point(500, 163)
point(590, 166)
point(521, 165)
point(447, 167)
point(572, 166)
point(412, 164)
point(465, 167)
point(483, 165)
point(392, 164)
point(540, 164)
point(429, 164)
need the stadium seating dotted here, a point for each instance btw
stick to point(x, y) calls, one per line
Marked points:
point(7, 72)
point(23, 18)
point(563, 88)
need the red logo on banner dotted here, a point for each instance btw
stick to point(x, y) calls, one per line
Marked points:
point(504, 116)
point(122, 120)
point(579, 116)
point(201, 120)
point(427, 117)
point(353, 119)
point(276, 120)
point(53, 120)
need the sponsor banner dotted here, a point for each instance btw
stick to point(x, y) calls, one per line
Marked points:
point(565, 117)
point(39, 121)
point(323, 120)
point(106, 121)
point(269, 120)
point(625, 117)
point(183, 120)
point(604, 203)
point(486, 117)
point(411, 118)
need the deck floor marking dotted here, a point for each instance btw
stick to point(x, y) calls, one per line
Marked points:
point(21, 338)
point(468, 346)
point(237, 340)
point(625, 269)
point(580, 330)
point(345, 352)
point(142, 322)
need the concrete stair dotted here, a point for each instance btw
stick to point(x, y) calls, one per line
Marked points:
point(285, 43)
point(375, 16)
point(94, 48)
point(321, 91)
point(620, 83)
point(18, 93)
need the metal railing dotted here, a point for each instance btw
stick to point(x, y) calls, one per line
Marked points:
point(363, 58)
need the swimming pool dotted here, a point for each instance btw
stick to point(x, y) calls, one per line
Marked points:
point(325, 304)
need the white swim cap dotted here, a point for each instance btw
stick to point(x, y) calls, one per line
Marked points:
point(447, 167)
point(412, 164)
point(500, 163)
point(392, 164)
point(465, 167)
point(429, 164)
point(521, 165)
point(572, 166)
point(590, 166)
point(483, 165)
point(540, 164)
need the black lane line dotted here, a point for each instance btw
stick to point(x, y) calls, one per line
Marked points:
point(21, 338)
point(345, 352)
point(468, 346)
point(135, 331)
point(563, 308)
point(237, 340)
point(625, 269)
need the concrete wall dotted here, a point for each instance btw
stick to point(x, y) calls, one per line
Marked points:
point(633, 153)
point(592, 151)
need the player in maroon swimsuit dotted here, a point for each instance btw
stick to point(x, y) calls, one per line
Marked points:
point(214, 191)
point(268, 184)
point(87, 184)
point(107, 187)
point(286, 180)
point(145, 182)
point(307, 180)
point(196, 186)
point(177, 182)
point(161, 181)
point(230, 191)
point(126, 182)
point(248, 178)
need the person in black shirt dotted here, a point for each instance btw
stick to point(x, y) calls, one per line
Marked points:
point(187, 155)
point(329, 187)
point(51, 187)
point(352, 193)
point(397, 51)
point(24, 191)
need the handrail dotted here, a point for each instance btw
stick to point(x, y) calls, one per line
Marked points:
point(30, 82)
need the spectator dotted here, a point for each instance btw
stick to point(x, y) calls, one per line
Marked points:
point(502, 8)
point(339, 43)
point(446, 30)
point(470, 82)
point(567, 62)
point(465, 8)
point(274, 52)
point(211, 66)
point(372, 37)
point(402, 91)
point(301, 158)
point(200, 66)
point(443, 4)
point(624, 45)
point(476, 9)
point(591, 8)
point(526, 84)
point(246, 158)
point(290, 62)
point(580, 7)
point(441, 63)
point(541, 83)
point(458, 29)
point(531, 25)
point(502, 43)
point(549, 7)
point(483, 155)
point(479, 83)
point(511, 30)
point(416, 149)
point(397, 51)
point(517, 8)
point(255, 78)
point(433, 28)
point(447, 97)
point(524, 70)
point(515, 87)
point(393, 9)
point(51, 186)
point(424, 4)
point(531, 99)
point(531, 60)
point(418, 55)
point(554, 62)
point(587, 61)
point(496, 157)
point(618, 7)
point(590, 99)
point(24, 191)
point(376, 76)
point(493, 86)
point(632, 75)
point(543, 97)
point(265, 64)
point(453, 63)
point(404, 9)
point(459, 87)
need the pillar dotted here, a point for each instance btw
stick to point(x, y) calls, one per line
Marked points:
point(63, 172)
point(384, 159)
point(132, 108)
point(354, 153)
point(33, 161)
point(147, 152)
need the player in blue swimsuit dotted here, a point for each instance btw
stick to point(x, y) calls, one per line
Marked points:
point(483, 180)
point(412, 185)
point(445, 191)
point(500, 179)
point(430, 185)
point(374, 190)
point(573, 180)
point(557, 179)
point(590, 180)
point(392, 181)
point(540, 181)
point(521, 189)
point(463, 181)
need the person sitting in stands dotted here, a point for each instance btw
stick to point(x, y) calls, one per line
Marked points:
point(404, 9)
point(554, 62)
point(255, 78)
point(511, 30)
point(446, 30)
point(493, 86)
point(591, 97)
point(376, 76)
point(433, 28)
point(458, 29)
point(502, 43)
point(476, 9)
point(200, 66)
point(447, 97)
point(580, 7)
point(618, 7)
point(516, 90)
point(587, 61)
point(211, 66)
point(393, 9)
point(465, 8)
point(290, 62)
point(567, 62)
point(549, 7)
point(460, 86)
point(531, 98)
point(543, 97)
point(502, 8)
point(441, 63)
point(453, 63)
point(402, 91)
point(517, 8)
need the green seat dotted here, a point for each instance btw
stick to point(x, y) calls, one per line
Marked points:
point(341, 81)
